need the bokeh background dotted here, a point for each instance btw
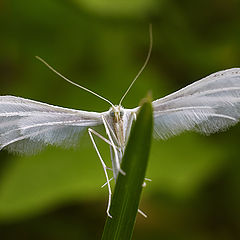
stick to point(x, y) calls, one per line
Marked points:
point(194, 193)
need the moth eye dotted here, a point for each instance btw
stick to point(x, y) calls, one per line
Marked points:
point(121, 113)
point(112, 114)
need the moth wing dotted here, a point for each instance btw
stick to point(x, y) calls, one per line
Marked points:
point(26, 126)
point(207, 106)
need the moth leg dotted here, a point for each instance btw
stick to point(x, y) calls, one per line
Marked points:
point(144, 183)
point(106, 182)
point(99, 135)
point(135, 116)
point(142, 213)
point(90, 132)
point(113, 146)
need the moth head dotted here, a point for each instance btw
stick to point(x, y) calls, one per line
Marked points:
point(117, 113)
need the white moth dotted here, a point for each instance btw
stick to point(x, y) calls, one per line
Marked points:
point(207, 106)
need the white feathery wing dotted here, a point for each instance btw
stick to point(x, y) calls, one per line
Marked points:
point(26, 126)
point(209, 105)
point(206, 106)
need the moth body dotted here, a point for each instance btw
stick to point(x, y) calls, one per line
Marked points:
point(119, 122)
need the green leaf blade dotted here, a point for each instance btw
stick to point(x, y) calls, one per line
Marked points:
point(126, 198)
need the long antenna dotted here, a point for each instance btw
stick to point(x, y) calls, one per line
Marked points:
point(86, 89)
point(144, 65)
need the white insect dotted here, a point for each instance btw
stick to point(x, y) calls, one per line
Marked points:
point(207, 106)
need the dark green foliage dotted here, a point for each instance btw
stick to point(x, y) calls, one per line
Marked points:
point(194, 193)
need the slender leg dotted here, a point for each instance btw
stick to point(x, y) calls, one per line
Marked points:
point(105, 171)
point(148, 179)
point(110, 129)
point(106, 182)
point(135, 116)
point(144, 183)
point(100, 136)
point(142, 213)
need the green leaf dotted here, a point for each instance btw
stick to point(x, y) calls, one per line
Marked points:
point(125, 202)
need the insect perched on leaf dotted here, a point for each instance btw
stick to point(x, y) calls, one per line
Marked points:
point(207, 106)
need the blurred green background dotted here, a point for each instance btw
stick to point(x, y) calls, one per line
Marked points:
point(194, 193)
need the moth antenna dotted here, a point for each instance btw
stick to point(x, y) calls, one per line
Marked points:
point(144, 65)
point(68, 80)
